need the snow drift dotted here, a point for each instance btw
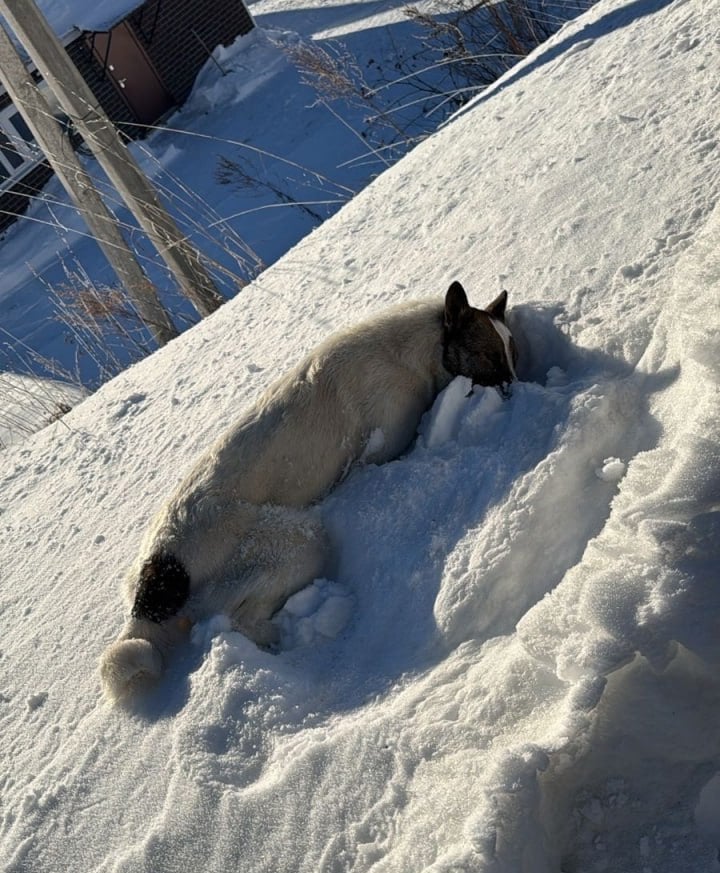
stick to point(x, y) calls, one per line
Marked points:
point(514, 667)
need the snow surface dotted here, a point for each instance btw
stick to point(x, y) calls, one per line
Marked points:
point(515, 664)
point(64, 16)
point(27, 404)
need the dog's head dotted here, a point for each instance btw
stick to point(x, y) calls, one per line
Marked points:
point(476, 342)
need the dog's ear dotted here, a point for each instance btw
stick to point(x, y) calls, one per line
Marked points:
point(497, 308)
point(456, 305)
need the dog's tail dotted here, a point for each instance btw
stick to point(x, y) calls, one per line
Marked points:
point(137, 657)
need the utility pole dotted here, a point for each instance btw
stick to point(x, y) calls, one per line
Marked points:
point(102, 223)
point(81, 106)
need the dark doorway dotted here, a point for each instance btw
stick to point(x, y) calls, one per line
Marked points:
point(131, 70)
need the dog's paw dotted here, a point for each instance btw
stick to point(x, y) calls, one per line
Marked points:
point(262, 632)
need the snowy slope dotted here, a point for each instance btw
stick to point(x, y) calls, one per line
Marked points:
point(514, 667)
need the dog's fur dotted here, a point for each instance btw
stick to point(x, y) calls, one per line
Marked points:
point(240, 535)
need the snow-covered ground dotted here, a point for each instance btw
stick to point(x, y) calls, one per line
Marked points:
point(515, 665)
point(29, 403)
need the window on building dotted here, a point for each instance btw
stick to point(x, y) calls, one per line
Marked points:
point(18, 149)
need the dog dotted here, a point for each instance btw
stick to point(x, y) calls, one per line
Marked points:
point(242, 532)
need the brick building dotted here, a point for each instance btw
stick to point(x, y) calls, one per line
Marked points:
point(140, 64)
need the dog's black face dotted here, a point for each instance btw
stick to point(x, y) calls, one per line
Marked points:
point(477, 344)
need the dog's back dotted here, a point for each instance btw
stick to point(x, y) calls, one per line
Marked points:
point(295, 443)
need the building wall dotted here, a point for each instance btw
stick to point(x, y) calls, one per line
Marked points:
point(15, 202)
point(177, 35)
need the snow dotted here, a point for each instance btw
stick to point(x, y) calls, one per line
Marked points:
point(612, 470)
point(296, 148)
point(29, 403)
point(66, 16)
point(514, 666)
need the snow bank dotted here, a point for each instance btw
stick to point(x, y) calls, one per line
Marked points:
point(513, 666)
point(29, 403)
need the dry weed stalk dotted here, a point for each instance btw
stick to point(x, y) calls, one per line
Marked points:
point(480, 40)
point(97, 317)
point(332, 76)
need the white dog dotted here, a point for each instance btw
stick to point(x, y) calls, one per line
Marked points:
point(240, 535)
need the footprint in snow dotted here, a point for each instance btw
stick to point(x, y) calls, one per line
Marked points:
point(129, 404)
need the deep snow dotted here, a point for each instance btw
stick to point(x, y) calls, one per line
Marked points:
point(515, 665)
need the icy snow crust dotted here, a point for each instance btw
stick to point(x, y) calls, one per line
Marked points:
point(514, 666)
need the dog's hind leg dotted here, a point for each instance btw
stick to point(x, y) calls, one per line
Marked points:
point(290, 552)
point(277, 552)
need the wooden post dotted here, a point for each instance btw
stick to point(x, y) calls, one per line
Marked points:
point(81, 106)
point(32, 105)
